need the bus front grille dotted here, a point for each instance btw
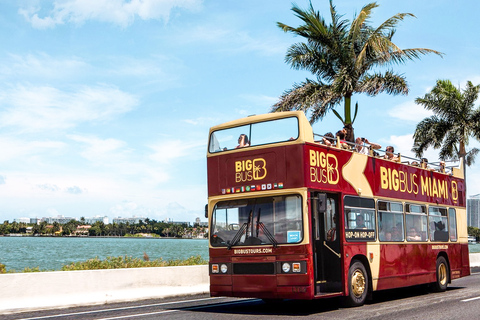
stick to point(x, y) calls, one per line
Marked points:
point(253, 268)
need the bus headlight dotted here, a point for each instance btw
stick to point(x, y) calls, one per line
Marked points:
point(214, 268)
point(224, 268)
point(286, 267)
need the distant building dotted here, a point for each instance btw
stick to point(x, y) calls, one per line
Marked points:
point(22, 220)
point(58, 219)
point(35, 220)
point(132, 220)
point(92, 220)
point(473, 211)
point(82, 230)
point(200, 223)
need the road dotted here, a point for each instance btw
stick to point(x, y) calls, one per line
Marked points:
point(461, 301)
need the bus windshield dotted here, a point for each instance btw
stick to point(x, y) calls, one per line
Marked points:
point(254, 134)
point(259, 221)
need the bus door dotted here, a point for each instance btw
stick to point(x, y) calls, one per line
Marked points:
point(326, 242)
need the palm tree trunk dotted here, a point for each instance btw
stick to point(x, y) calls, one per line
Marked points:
point(350, 136)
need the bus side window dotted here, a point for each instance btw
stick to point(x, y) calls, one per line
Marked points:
point(452, 224)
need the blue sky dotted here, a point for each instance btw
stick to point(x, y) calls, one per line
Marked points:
point(105, 105)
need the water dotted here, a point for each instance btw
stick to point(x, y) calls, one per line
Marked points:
point(49, 253)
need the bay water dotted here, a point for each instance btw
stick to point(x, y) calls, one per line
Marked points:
point(51, 253)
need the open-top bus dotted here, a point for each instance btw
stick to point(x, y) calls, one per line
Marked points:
point(291, 218)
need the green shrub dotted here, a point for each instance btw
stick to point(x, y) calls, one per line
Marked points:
point(3, 269)
point(130, 262)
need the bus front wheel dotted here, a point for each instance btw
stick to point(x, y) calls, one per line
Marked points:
point(442, 275)
point(357, 284)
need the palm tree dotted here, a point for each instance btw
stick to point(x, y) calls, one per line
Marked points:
point(342, 55)
point(454, 122)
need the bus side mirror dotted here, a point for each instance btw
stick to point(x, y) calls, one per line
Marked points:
point(322, 202)
point(206, 211)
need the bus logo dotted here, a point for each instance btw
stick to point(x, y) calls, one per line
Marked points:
point(323, 167)
point(250, 170)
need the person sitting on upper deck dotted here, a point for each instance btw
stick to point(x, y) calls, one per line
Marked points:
point(328, 138)
point(424, 164)
point(389, 154)
point(360, 146)
point(441, 167)
point(341, 135)
point(243, 141)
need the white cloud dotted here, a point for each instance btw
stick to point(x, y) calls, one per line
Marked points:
point(260, 99)
point(41, 66)
point(100, 150)
point(233, 41)
point(403, 145)
point(409, 111)
point(47, 108)
point(19, 149)
point(118, 12)
point(167, 151)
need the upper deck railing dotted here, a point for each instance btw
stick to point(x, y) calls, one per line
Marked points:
point(293, 127)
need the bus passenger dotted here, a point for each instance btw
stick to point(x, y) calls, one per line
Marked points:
point(328, 138)
point(396, 235)
point(385, 235)
point(332, 232)
point(389, 154)
point(360, 223)
point(243, 141)
point(412, 235)
point(360, 146)
point(343, 144)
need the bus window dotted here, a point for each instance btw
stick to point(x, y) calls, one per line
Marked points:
point(438, 225)
point(359, 219)
point(452, 218)
point(390, 221)
point(227, 139)
point(259, 133)
point(259, 221)
point(416, 222)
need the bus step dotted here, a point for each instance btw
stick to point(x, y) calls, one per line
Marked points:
point(327, 287)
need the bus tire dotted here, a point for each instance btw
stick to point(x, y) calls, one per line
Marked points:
point(357, 284)
point(442, 273)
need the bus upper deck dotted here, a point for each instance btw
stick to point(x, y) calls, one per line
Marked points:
point(292, 148)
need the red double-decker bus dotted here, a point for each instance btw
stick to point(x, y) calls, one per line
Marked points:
point(291, 218)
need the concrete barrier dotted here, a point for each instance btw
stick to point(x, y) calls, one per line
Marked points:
point(46, 290)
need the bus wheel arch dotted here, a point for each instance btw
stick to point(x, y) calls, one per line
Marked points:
point(442, 273)
point(359, 282)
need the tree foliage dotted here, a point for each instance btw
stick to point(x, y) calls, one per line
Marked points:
point(342, 56)
point(454, 121)
point(149, 226)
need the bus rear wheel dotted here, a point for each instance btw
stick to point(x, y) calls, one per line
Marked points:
point(357, 284)
point(442, 275)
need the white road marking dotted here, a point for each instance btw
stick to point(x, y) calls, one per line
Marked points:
point(471, 299)
point(118, 309)
point(169, 311)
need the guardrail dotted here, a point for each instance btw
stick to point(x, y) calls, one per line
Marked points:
point(46, 290)
point(59, 289)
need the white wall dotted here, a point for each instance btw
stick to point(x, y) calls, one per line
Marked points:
point(23, 291)
point(43, 290)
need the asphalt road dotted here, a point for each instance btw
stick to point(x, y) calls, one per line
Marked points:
point(461, 301)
